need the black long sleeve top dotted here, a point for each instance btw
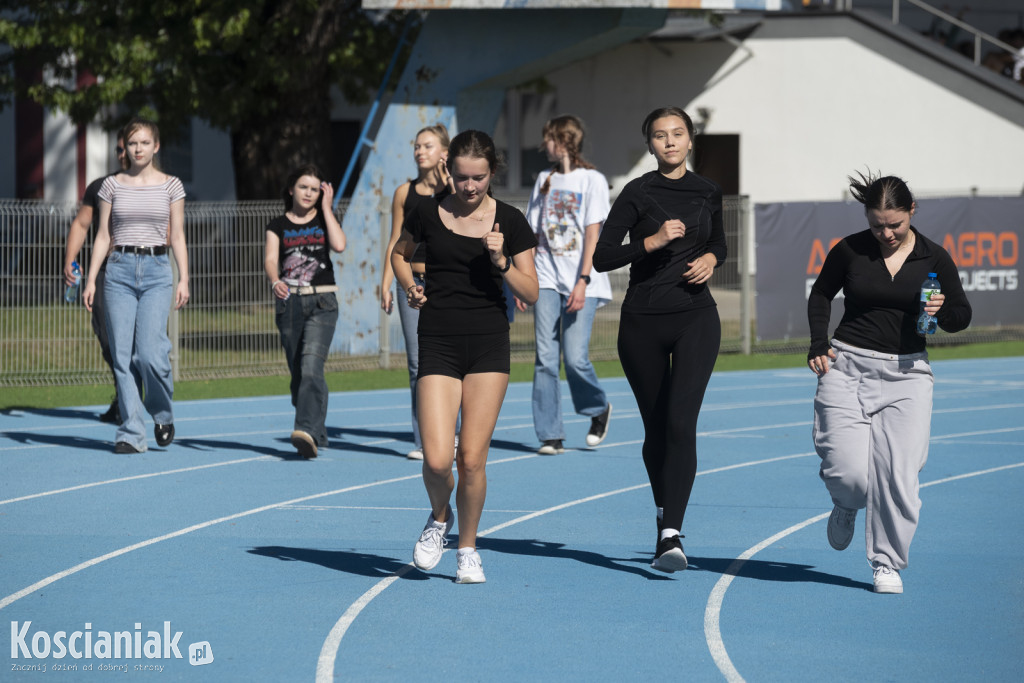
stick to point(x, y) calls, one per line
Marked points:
point(881, 311)
point(655, 279)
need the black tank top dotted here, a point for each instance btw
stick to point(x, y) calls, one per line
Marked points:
point(412, 200)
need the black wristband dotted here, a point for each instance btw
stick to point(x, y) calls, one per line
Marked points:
point(508, 264)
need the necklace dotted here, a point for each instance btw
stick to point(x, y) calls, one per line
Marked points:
point(470, 214)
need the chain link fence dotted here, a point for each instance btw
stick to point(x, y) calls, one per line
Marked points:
point(227, 329)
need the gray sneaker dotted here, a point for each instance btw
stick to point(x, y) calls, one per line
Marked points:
point(840, 527)
point(432, 541)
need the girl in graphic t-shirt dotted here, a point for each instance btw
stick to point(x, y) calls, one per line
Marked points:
point(142, 210)
point(568, 205)
point(474, 244)
point(298, 264)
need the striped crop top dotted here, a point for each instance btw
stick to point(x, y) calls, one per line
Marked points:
point(139, 215)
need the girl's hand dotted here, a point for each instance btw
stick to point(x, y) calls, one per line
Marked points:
point(819, 364)
point(415, 297)
point(386, 301)
point(88, 294)
point(521, 305)
point(494, 242)
point(933, 305)
point(280, 289)
point(327, 201)
point(181, 296)
point(577, 298)
point(701, 269)
point(670, 230)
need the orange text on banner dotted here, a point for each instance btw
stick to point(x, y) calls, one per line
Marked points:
point(975, 249)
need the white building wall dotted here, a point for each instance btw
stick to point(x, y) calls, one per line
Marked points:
point(59, 158)
point(809, 111)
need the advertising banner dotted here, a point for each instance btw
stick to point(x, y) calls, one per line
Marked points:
point(982, 234)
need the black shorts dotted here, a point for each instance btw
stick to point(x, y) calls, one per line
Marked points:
point(459, 355)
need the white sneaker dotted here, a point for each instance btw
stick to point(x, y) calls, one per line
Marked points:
point(415, 454)
point(887, 580)
point(434, 538)
point(304, 444)
point(840, 527)
point(470, 570)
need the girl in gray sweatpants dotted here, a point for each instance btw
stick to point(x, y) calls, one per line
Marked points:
point(873, 408)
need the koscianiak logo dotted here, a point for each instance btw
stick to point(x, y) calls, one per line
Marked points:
point(39, 648)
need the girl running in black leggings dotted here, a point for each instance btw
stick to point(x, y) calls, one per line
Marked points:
point(669, 331)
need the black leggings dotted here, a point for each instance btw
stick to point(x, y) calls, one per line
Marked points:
point(668, 359)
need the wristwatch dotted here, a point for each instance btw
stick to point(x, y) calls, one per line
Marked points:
point(585, 278)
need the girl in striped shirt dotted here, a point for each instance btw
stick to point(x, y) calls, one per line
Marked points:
point(142, 211)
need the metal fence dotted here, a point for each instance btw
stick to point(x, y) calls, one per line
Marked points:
point(228, 329)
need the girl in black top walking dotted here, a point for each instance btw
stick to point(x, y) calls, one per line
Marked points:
point(473, 242)
point(873, 406)
point(669, 330)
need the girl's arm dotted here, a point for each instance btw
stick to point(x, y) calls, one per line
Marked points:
point(100, 247)
point(578, 297)
point(177, 240)
point(400, 257)
point(397, 219)
point(335, 235)
point(270, 265)
point(522, 277)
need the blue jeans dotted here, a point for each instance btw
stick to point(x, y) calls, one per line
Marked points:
point(137, 298)
point(560, 333)
point(306, 323)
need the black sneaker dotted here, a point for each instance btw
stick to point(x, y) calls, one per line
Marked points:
point(551, 447)
point(599, 427)
point(669, 556)
point(123, 447)
point(164, 434)
point(113, 414)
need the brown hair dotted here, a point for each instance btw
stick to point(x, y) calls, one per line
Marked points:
point(133, 127)
point(567, 131)
point(475, 144)
point(293, 177)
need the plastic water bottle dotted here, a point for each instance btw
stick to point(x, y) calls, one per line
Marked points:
point(71, 293)
point(926, 324)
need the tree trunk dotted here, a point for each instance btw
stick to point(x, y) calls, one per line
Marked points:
point(265, 150)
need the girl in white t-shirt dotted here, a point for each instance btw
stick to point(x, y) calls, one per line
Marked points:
point(567, 208)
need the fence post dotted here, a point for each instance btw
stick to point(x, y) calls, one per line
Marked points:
point(384, 326)
point(746, 274)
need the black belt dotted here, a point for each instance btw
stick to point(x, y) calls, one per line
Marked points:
point(153, 251)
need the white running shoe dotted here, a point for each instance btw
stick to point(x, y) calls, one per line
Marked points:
point(887, 580)
point(840, 527)
point(432, 541)
point(415, 454)
point(470, 570)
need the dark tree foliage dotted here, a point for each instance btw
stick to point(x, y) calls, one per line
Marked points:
point(262, 70)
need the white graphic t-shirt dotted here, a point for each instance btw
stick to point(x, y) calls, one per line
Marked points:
point(559, 218)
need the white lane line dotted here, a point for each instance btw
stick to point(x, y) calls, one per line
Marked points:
point(14, 597)
point(132, 478)
point(713, 610)
point(329, 651)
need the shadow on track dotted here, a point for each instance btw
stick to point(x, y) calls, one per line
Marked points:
point(350, 562)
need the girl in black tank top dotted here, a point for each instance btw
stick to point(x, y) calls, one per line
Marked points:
point(430, 151)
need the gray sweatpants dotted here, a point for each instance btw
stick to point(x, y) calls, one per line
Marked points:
point(872, 419)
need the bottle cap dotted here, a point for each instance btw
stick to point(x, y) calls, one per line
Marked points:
point(933, 274)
